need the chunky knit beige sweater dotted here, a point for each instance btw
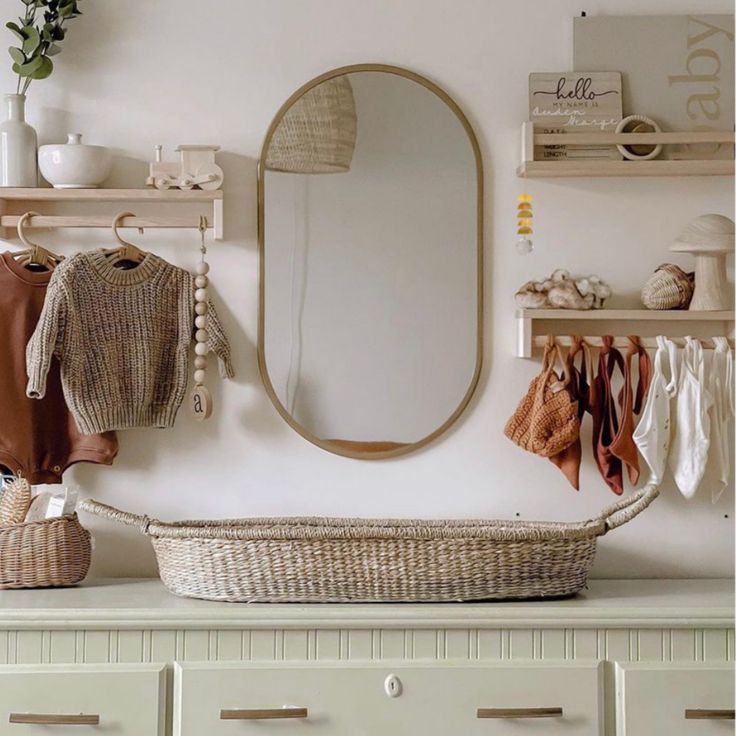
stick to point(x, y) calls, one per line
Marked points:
point(122, 338)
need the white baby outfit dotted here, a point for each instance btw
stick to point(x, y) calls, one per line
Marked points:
point(653, 433)
point(721, 389)
point(691, 441)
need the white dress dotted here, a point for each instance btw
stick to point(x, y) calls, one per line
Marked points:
point(653, 433)
point(691, 441)
point(721, 388)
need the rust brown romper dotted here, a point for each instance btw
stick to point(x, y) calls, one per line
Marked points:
point(39, 440)
point(578, 386)
point(613, 443)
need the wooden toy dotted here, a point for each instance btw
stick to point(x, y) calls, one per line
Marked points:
point(196, 168)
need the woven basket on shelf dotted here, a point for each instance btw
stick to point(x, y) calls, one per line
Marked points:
point(351, 560)
point(669, 287)
point(44, 554)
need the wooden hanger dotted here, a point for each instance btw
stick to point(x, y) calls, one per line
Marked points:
point(127, 251)
point(34, 254)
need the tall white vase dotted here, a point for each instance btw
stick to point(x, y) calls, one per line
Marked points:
point(17, 146)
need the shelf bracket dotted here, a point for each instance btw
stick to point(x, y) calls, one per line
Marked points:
point(217, 217)
point(523, 336)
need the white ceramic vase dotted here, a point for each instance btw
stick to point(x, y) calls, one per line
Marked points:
point(17, 146)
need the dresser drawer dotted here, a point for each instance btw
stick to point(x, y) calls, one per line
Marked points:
point(695, 699)
point(433, 700)
point(40, 700)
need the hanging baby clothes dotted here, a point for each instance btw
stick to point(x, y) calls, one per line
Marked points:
point(578, 386)
point(653, 433)
point(622, 445)
point(605, 416)
point(123, 338)
point(39, 440)
point(721, 389)
point(545, 422)
point(689, 449)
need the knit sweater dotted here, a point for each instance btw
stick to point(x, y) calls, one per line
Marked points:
point(122, 338)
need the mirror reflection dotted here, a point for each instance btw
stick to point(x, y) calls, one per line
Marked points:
point(370, 189)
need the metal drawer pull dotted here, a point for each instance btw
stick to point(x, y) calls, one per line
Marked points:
point(258, 714)
point(519, 712)
point(55, 719)
point(700, 714)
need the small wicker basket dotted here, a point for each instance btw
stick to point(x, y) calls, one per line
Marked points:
point(316, 560)
point(44, 554)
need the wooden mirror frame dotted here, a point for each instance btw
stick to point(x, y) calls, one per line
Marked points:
point(328, 445)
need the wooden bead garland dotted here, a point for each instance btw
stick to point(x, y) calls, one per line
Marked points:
point(201, 398)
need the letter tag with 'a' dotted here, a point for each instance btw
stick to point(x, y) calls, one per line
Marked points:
point(201, 403)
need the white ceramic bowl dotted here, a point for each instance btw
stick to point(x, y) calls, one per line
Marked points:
point(74, 165)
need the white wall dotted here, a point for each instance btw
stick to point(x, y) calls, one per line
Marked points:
point(137, 73)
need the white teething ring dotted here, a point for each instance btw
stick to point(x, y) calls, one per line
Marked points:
point(625, 152)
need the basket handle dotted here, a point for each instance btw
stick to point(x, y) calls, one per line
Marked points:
point(110, 512)
point(627, 508)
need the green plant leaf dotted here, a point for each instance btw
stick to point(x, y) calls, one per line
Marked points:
point(32, 41)
point(53, 50)
point(16, 68)
point(66, 10)
point(17, 55)
point(45, 69)
point(27, 69)
point(16, 29)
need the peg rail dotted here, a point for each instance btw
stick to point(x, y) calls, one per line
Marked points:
point(595, 341)
point(15, 201)
point(533, 326)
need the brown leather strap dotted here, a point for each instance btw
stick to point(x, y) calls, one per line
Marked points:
point(645, 371)
point(605, 418)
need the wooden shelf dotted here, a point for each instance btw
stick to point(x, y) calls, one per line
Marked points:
point(530, 335)
point(531, 168)
point(11, 197)
point(680, 315)
point(45, 194)
point(559, 169)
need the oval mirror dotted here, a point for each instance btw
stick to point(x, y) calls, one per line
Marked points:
point(370, 237)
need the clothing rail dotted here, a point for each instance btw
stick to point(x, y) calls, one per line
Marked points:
point(65, 221)
point(539, 341)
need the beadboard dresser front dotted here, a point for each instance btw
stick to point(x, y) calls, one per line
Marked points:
point(630, 658)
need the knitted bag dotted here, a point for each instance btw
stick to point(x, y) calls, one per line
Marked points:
point(546, 420)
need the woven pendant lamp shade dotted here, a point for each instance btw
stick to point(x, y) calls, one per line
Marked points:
point(317, 133)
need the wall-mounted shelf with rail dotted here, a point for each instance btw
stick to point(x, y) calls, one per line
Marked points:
point(531, 168)
point(15, 201)
point(533, 325)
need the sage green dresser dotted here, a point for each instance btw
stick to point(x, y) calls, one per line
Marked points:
point(124, 657)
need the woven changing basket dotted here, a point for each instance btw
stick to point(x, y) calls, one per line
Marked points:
point(44, 554)
point(316, 560)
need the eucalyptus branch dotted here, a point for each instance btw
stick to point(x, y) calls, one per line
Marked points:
point(39, 41)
